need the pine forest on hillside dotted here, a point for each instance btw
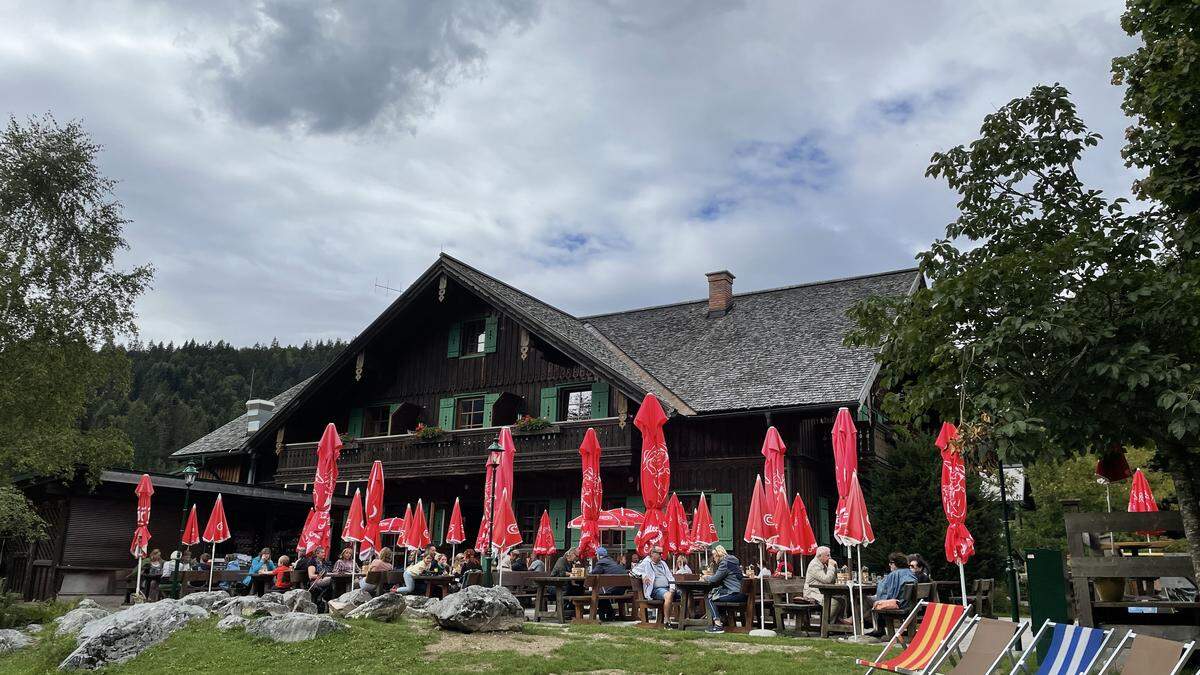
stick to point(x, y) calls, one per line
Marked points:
point(179, 393)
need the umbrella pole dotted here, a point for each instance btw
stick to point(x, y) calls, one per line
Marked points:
point(962, 580)
point(861, 602)
point(139, 576)
point(762, 600)
point(1112, 538)
point(211, 566)
point(353, 564)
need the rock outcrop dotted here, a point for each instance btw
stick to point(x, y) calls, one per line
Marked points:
point(477, 609)
point(294, 627)
point(122, 635)
point(387, 607)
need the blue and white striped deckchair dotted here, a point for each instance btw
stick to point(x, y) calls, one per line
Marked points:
point(1073, 649)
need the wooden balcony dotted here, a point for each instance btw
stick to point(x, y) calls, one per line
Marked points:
point(459, 453)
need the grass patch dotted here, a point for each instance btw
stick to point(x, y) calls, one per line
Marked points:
point(414, 647)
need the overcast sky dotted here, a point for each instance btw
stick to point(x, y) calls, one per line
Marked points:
point(277, 160)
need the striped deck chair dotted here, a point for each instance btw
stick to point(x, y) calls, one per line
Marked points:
point(1150, 655)
point(992, 642)
point(1073, 649)
point(939, 623)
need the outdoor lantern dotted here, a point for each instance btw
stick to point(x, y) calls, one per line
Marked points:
point(189, 474)
point(497, 450)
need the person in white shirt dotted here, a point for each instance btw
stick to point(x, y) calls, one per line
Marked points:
point(681, 565)
point(657, 581)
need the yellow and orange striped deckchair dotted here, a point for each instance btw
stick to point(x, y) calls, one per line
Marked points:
point(939, 623)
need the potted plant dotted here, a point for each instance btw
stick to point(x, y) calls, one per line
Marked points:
point(532, 425)
point(348, 442)
point(427, 434)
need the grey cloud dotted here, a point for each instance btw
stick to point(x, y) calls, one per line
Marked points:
point(330, 65)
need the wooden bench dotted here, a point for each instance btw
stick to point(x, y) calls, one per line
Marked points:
point(885, 618)
point(587, 607)
point(980, 597)
point(745, 610)
point(517, 583)
point(788, 600)
point(197, 580)
point(641, 604)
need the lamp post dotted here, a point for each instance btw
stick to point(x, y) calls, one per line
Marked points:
point(1010, 571)
point(189, 478)
point(495, 454)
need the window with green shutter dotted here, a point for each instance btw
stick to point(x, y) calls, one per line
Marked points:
point(599, 399)
point(472, 337)
point(558, 522)
point(722, 515)
point(635, 502)
point(575, 401)
point(549, 407)
point(446, 413)
point(454, 341)
point(490, 327)
point(489, 402)
point(439, 526)
point(355, 428)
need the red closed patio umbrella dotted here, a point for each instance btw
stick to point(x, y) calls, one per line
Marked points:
point(759, 530)
point(481, 538)
point(324, 480)
point(960, 545)
point(506, 534)
point(140, 545)
point(191, 531)
point(543, 544)
point(591, 495)
point(373, 513)
point(806, 540)
point(416, 531)
point(676, 539)
point(215, 532)
point(773, 451)
point(1141, 500)
point(655, 473)
point(394, 525)
point(408, 522)
point(785, 539)
point(308, 523)
point(704, 532)
point(354, 529)
point(853, 528)
point(455, 534)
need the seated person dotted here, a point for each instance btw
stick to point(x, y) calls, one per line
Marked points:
point(536, 564)
point(204, 565)
point(437, 564)
point(345, 563)
point(260, 565)
point(888, 591)
point(320, 583)
point(518, 563)
point(681, 565)
point(727, 580)
point(919, 568)
point(824, 570)
point(657, 581)
point(421, 566)
point(381, 564)
point(283, 574)
point(606, 565)
point(562, 568)
point(233, 564)
point(469, 564)
point(182, 562)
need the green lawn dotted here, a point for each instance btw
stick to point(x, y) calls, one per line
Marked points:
point(410, 647)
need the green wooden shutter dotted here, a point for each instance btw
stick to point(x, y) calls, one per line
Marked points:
point(599, 400)
point(454, 342)
point(392, 408)
point(489, 401)
point(823, 526)
point(575, 511)
point(439, 526)
point(722, 514)
point(489, 334)
point(549, 408)
point(558, 522)
point(356, 422)
point(446, 414)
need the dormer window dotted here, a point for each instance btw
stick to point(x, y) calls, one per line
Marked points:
point(474, 337)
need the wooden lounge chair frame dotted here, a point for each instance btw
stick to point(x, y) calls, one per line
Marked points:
point(972, 624)
point(919, 610)
point(1186, 647)
point(1083, 667)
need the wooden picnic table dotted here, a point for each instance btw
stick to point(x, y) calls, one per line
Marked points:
point(541, 599)
point(1136, 547)
point(946, 591)
point(828, 592)
point(441, 582)
point(692, 591)
point(260, 581)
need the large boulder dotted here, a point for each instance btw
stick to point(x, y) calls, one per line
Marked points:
point(299, 600)
point(294, 627)
point(348, 601)
point(205, 599)
point(123, 635)
point(263, 609)
point(421, 607)
point(12, 640)
point(273, 596)
point(477, 609)
point(34, 628)
point(387, 607)
point(231, 622)
point(84, 613)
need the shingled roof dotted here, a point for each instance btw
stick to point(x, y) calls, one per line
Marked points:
point(230, 437)
point(776, 348)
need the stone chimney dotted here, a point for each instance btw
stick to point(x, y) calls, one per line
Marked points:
point(720, 293)
point(258, 412)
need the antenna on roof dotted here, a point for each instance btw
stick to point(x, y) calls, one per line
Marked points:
point(385, 287)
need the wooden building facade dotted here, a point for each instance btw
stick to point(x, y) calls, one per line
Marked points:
point(465, 353)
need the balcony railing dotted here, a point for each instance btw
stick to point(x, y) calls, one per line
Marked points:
point(459, 452)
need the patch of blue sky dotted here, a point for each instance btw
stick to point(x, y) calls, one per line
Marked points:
point(897, 110)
